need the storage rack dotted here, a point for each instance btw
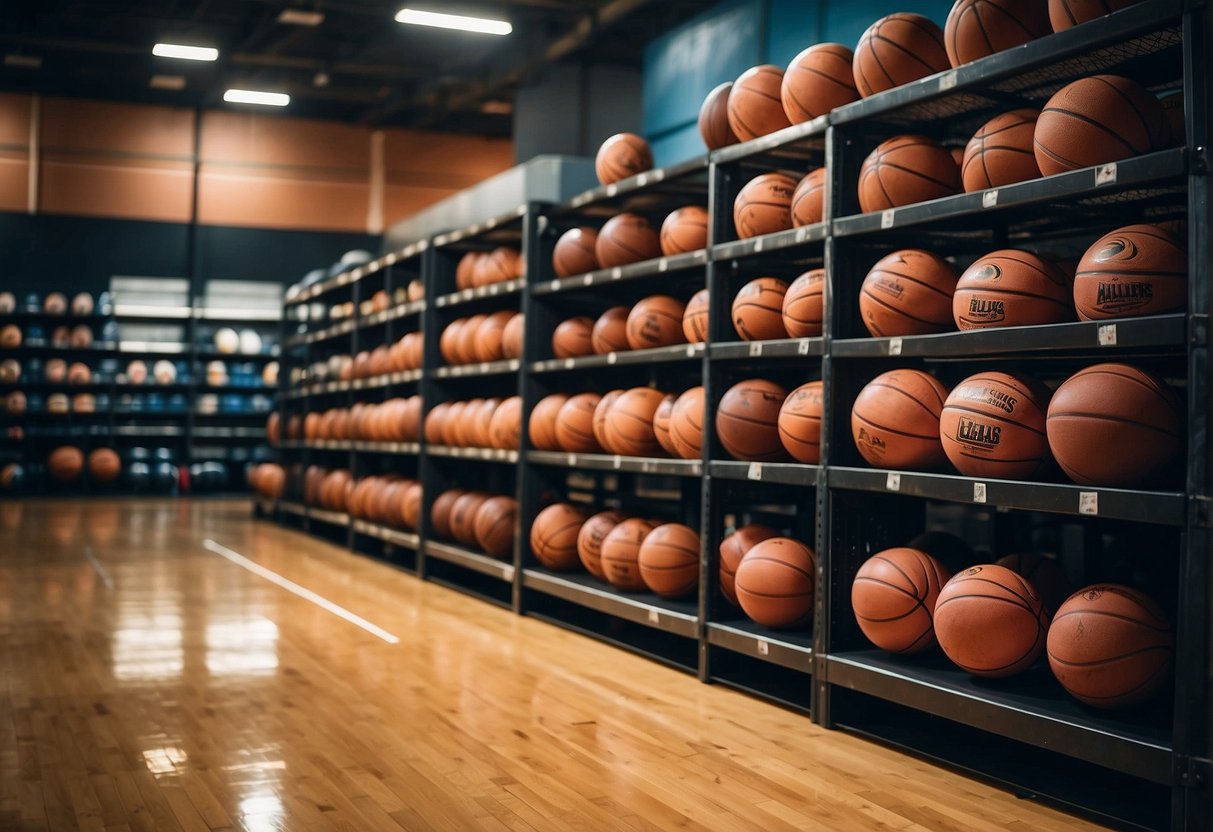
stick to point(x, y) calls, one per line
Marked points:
point(1145, 769)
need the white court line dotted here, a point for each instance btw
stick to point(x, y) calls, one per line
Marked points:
point(105, 576)
point(302, 592)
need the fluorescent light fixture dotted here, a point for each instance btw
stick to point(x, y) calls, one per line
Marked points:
point(483, 25)
point(300, 17)
point(185, 53)
point(270, 99)
point(168, 82)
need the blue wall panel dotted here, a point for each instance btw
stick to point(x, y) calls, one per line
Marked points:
point(792, 27)
point(845, 22)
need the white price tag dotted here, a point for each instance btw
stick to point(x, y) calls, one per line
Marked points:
point(616, 273)
point(570, 363)
point(612, 357)
point(654, 617)
point(663, 265)
point(691, 350)
point(947, 81)
point(642, 180)
point(572, 460)
point(758, 245)
point(612, 190)
point(755, 349)
point(764, 647)
point(989, 199)
point(887, 218)
point(1106, 174)
point(484, 366)
point(493, 287)
point(802, 234)
point(1107, 335)
point(892, 482)
point(803, 347)
point(755, 471)
point(618, 461)
point(554, 285)
point(1088, 502)
point(979, 492)
point(587, 280)
point(895, 346)
point(658, 175)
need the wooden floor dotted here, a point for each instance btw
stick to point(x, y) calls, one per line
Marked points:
point(152, 684)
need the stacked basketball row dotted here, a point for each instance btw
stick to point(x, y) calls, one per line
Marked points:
point(389, 500)
point(476, 423)
point(394, 420)
point(655, 321)
point(268, 480)
point(772, 578)
point(482, 268)
point(78, 337)
point(476, 518)
point(629, 238)
point(490, 336)
point(405, 354)
point(777, 201)
point(15, 403)
point(55, 303)
point(642, 422)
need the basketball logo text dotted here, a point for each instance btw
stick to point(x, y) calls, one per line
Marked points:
point(971, 432)
point(1118, 296)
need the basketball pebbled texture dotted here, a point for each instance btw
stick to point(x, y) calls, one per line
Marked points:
point(1001, 152)
point(977, 28)
point(764, 205)
point(990, 622)
point(896, 50)
point(758, 310)
point(908, 292)
point(775, 583)
point(800, 423)
point(747, 420)
point(895, 420)
point(817, 80)
point(993, 425)
point(1133, 271)
point(893, 597)
point(904, 170)
point(754, 105)
point(804, 305)
point(1011, 287)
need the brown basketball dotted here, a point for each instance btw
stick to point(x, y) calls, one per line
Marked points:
point(294, 426)
point(448, 342)
point(466, 269)
point(571, 338)
point(896, 50)
point(506, 424)
point(415, 290)
point(629, 423)
point(747, 420)
point(990, 621)
point(714, 125)
point(908, 292)
point(1111, 646)
point(453, 423)
point(621, 156)
point(817, 80)
point(804, 305)
point(1045, 574)
point(440, 512)
point(590, 537)
point(655, 321)
point(669, 560)
point(1011, 287)
point(1103, 118)
point(104, 466)
point(542, 427)
point(695, 318)
point(600, 418)
point(499, 265)
point(754, 106)
point(904, 170)
point(435, 422)
point(482, 418)
point(494, 525)
point(381, 360)
point(554, 536)
point(463, 516)
point(574, 252)
point(273, 428)
point(686, 424)
point(808, 200)
point(893, 596)
point(626, 238)
point(487, 345)
point(82, 336)
point(686, 229)
point(764, 205)
point(1117, 426)
point(610, 332)
point(386, 509)
point(575, 424)
point(361, 495)
point(1066, 13)
point(993, 425)
point(775, 582)
point(55, 371)
point(800, 423)
point(511, 336)
point(465, 347)
point(65, 464)
point(977, 28)
point(1133, 271)
point(342, 485)
point(1001, 152)
point(732, 549)
point(895, 420)
point(758, 310)
point(410, 506)
point(10, 336)
point(661, 424)
point(620, 554)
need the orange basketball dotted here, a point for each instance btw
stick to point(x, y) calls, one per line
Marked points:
point(620, 554)
point(747, 420)
point(655, 321)
point(466, 269)
point(453, 425)
point(610, 332)
point(448, 342)
point(714, 125)
point(1111, 646)
point(758, 310)
point(435, 422)
point(895, 420)
point(571, 338)
point(575, 424)
point(1133, 271)
point(440, 512)
point(626, 238)
point(464, 423)
point(542, 427)
point(993, 425)
point(800, 423)
point(494, 525)
point(629, 423)
point(481, 418)
point(808, 200)
point(410, 506)
point(554, 536)
point(733, 548)
point(904, 170)
point(754, 106)
point(896, 50)
point(775, 583)
point(410, 419)
point(661, 424)
point(506, 424)
point(104, 466)
point(977, 28)
point(574, 252)
point(381, 361)
point(686, 229)
point(273, 428)
point(79, 373)
point(415, 290)
point(601, 412)
point(1011, 287)
point(764, 205)
point(1045, 574)
point(465, 347)
point(621, 156)
point(1001, 152)
point(463, 516)
point(590, 537)
point(990, 621)
point(487, 345)
point(817, 80)
point(804, 305)
point(893, 596)
point(499, 265)
point(1066, 13)
point(511, 336)
point(82, 336)
point(695, 318)
point(10, 336)
point(908, 292)
point(65, 464)
point(669, 560)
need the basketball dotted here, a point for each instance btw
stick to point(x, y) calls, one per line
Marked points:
point(904, 170)
point(465, 269)
point(15, 402)
point(410, 506)
point(487, 345)
point(1111, 647)
point(621, 156)
point(775, 582)
point(273, 428)
point(10, 371)
point(506, 424)
point(415, 291)
point(482, 418)
point(501, 264)
point(494, 525)
point(896, 50)
point(655, 321)
point(435, 422)
point(804, 305)
point(104, 466)
point(465, 346)
point(1133, 271)
point(82, 336)
point(714, 126)
point(1117, 426)
point(908, 292)
point(732, 549)
point(463, 516)
point(747, 420)
point(448, 341)
point(65, 464)
point(661, 424)
point(816, 81)
point(695, 318)
point(1066, 13)
point(895, 420)
point(10, 336)
point(993, 425)
point(1001, 152)
point(590, 537)
point(764, 205)
point(610, 331)
point(758, 310)
point(542, 427)
point(55, 304)
point(554, 536)
point(977, 28)
point(575, 424)
point(82, 304)
point(620, 556)
point(893, 596)
point(800, 423)
point(574, 252)
point(571, 338)
point(669, 560)
point(808, 200)
point(1045, 574)
point(629, 423)
point(686, 229)
point(754, 105)
point(511, 336)
point(1011, 287)
point(601, 412)
point(626, 238)
point(686, 424)
point(440, 512)
point(453, 423)
point(990, 621)
point(1103, 118)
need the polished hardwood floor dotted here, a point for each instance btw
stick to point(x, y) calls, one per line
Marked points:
point(151, 683)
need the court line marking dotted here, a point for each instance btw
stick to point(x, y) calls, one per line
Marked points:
point(98, 568)
point(302, 591)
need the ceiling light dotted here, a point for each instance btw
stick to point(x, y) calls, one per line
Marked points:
point(168, 82)
point(23, 61)
point(270, 99)
point(185, 53)
point(482, 25)
point(300, 17)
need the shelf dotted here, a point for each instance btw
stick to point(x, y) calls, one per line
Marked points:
point(505, 289)
point(771, 243)
point(236, 357)
point(795, 142)
point(395, 313)
point(235, 315)
point(657, 355)
point(607, 462)
point(357, 445)
point(491, 224)
point(484, 368)
point(469, 559)
point(345, 386)
point(257, 434)
point(677, 617)
point(632, 271)
point(333, 518)
point(354, 275)
point(480, 454)
point(787, 649)
point(409, 540)
point(668, 180)
point(781, 348)
point(292, 508)
point(1031, 708)
point(335, 331)
point(784, 473)
point(1164, 508)
point(98, 349)
point(406, 448)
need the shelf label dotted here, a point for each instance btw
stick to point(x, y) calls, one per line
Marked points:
point(755, 349)
point(618, 461)
point(755, 471)
point(690, 350)
point(887, 218)
point(572, 460)
point(554, 286)
point(642, 180)
point(612, 357)
point(895, 346)
point(989, 199)
point(1107, 335)
point(570, 363)
point(892, 482)
point(764, 647)
point(493, 287)
point(484, 366)
point(658, 175)
point(757, 245)
point(803, 347)
point(1106, 174)
point(1088, 502)
point(587, 280)
point(616, 273)
point(654, 617)
point(947, 81)
point(612, 190)
point(802, 234)
point(979, 492)
point(663, 265)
